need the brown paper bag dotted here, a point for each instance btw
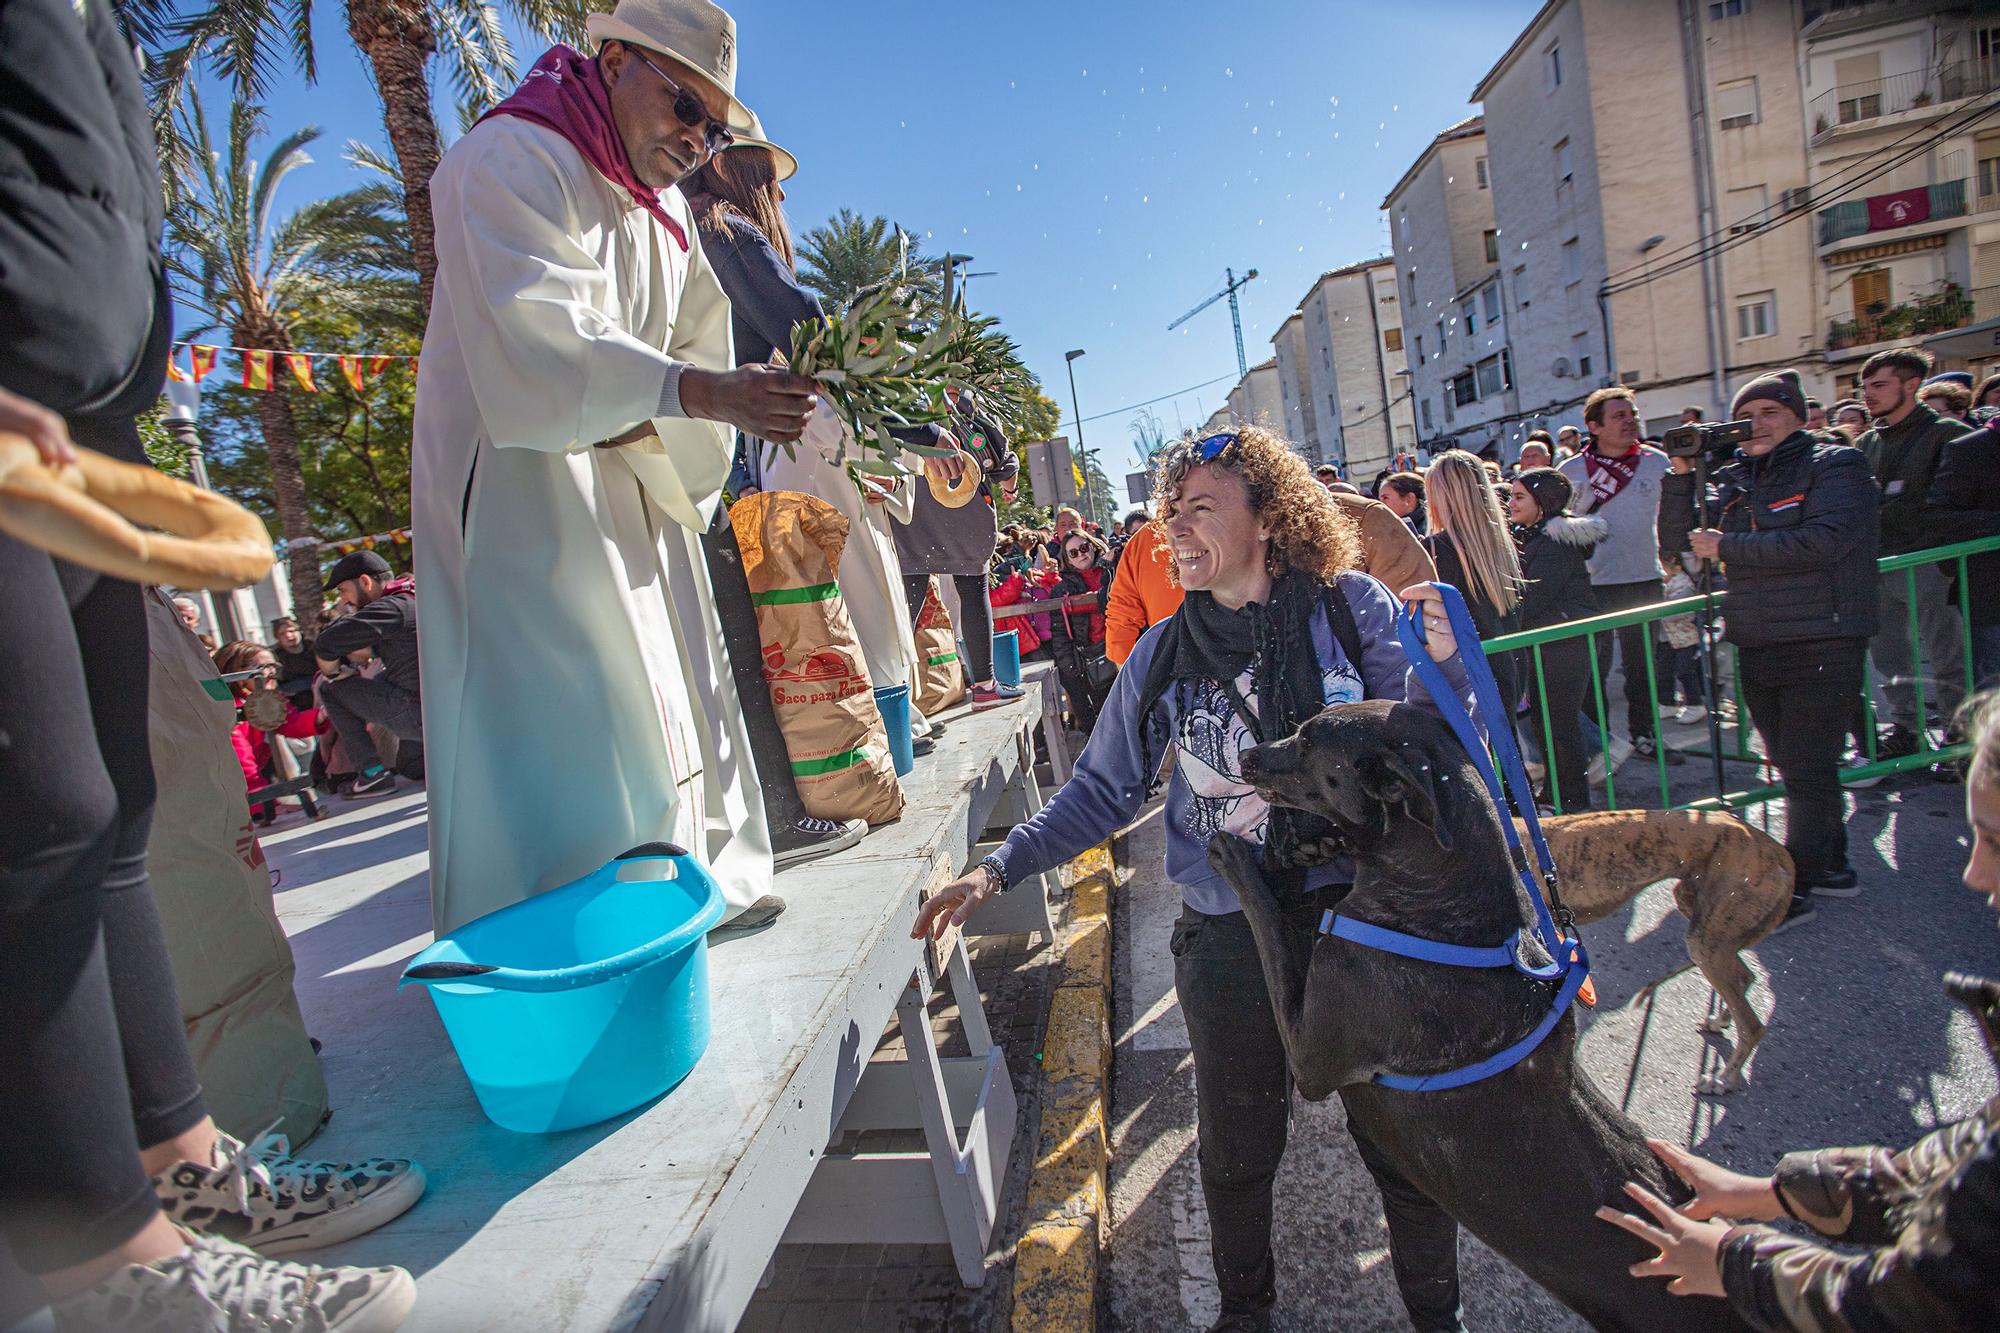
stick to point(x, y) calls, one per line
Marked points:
point(940, 680)
point(819, 683)
point(231, 959)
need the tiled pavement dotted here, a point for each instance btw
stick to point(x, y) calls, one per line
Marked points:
point(892, 1288)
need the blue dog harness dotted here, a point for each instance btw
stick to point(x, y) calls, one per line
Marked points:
point(1572, 964)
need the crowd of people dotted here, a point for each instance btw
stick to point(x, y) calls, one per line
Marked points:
point(615, 283)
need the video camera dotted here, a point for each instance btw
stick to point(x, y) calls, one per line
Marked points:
point(1712, 441)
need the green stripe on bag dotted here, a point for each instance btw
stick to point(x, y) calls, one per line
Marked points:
point(819, 592)
point(941, 659)
point(833, 763)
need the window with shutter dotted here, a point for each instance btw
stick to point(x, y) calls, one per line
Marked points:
point(1871, 292)
point(1736, 104)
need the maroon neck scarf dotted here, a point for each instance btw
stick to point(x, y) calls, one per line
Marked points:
point(1608, 476)
point(566, 92)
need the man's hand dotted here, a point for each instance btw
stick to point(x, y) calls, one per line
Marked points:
point(1428, 602)
point(1718, 1191)
point(44, 429)
point(1706, 543)
point(763, 401)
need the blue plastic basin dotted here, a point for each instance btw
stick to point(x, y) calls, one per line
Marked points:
point(581, 1003)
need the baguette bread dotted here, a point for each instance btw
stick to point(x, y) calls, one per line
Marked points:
point(86, 514)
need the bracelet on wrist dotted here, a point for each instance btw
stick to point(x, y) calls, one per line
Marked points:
point(996, 873)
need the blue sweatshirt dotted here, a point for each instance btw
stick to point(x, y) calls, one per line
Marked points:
point(1205, 792)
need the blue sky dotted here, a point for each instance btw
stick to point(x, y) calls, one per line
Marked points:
point(1106, 161)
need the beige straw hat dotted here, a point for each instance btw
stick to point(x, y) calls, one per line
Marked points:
point(695, 33)
point(786, 165)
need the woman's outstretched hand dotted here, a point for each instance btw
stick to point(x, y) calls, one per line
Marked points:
point(1427, 601)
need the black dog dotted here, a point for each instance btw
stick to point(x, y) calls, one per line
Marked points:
point(1522, 1158)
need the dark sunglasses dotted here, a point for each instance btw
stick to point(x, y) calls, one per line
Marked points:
point(1074, 551)
point(688, 109)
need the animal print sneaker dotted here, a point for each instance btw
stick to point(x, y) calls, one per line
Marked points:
point(214, 1286)
point(258, 1195)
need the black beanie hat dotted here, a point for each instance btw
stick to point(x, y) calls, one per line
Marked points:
point(1780, 386)
point(1550, 488)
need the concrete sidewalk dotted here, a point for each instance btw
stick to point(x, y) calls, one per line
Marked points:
point(1862, 1048)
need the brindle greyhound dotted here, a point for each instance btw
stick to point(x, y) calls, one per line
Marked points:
point(1523, 1158)
point(1733, 883)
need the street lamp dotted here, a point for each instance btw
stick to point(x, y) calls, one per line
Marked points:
point(1069, 359)
point(183, 398)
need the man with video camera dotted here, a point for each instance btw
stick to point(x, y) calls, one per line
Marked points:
point(1795, 522)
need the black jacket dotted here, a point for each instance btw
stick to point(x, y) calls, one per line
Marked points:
point(1905, 458)
point(1800, 531)
point(84, 314)
point(388, 625)
point(1555, 562)
point(1490, 620)
point(1964, 504)
point(1069, 630)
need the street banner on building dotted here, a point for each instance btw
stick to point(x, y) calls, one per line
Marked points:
point(1904, 208)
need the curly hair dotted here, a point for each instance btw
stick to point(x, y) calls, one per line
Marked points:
point(1309, 532)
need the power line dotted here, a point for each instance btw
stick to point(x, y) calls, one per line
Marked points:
point(1881, 168)
point(1133, 407)
point(1870, 164)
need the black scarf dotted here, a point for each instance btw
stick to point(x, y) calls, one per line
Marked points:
point(1205, 641)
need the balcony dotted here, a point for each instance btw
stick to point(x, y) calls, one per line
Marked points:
point(1858, 217)
point(1952, 308)
point(1858, 103)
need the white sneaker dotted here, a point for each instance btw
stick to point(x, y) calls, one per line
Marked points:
point(259, 1195)
point(215, 1286)
point(1621, 750)
point(1690, 713)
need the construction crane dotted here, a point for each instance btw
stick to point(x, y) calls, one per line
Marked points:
point(1235, 314)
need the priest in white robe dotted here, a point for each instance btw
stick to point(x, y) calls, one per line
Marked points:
point(574, 424)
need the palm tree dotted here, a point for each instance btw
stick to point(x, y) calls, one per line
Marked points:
point(848, 254)
point(244, 40)
point(257, 276)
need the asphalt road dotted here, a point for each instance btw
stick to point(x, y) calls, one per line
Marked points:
point(1862, 1048)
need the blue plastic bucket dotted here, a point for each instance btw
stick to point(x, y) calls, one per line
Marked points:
point(1007, 657)
point(583, 1002)
point(894, 703)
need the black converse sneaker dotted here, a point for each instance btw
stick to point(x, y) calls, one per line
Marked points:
point(259, 1195)
point(214, 1286)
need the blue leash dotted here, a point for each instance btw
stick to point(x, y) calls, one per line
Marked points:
point(1564, 945)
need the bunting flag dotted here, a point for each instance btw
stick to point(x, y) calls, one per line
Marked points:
point(174, 370)
point(350, 369)
point(377, 364)
point(257, 371)
point(302, 367)
point(413, 367)
point(201, 360)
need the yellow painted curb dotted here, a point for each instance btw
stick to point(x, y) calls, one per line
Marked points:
point(1056, 1261)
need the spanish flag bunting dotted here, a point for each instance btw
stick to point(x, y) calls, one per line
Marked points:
point(201, 360)
point(174, 370)
point(413, 367)
point(377, 364)
point(257, 370)
point(302, 367)
point(350, 369)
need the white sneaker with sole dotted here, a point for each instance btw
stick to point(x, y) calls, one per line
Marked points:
point(1621, 750)
point(215, 1286)
point(259, 1195)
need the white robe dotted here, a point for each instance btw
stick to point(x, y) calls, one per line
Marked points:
point(871, 576)
point(577, 694)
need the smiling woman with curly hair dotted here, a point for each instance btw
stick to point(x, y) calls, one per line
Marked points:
point(1278, 623)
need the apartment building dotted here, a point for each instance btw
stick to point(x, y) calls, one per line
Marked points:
point(1447, 267)
point(1301, 420)
point(1354, 367)
point(1649, 179)
point(1903, 105)
point(1257, 399)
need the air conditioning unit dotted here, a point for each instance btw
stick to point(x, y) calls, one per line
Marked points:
point(1561, 368)
point(1791, 201)
point(1629, 377)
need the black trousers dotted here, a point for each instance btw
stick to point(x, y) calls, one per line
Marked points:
point(740, 637)
point(1801, 699)
point(92, 1052)
point(975, 615)
point(1635, 649)
point(1243, 1090)
point(1565, 677)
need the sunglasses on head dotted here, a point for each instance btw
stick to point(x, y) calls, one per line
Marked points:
point(688, 109)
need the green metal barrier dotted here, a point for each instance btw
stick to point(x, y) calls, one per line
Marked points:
point(1530, 644)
